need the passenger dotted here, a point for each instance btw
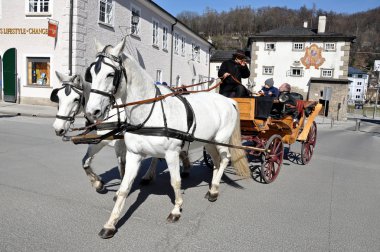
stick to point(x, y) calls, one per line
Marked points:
point(268, 89)
point(232, 71)
point(290, 103)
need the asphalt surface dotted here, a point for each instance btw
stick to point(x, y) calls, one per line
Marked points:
point(47, 203)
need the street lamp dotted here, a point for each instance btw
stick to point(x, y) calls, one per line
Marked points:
point(135, 21)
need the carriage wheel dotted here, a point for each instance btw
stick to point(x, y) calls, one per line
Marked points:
point(307, 148)
point(273, 159)
point(207, 159)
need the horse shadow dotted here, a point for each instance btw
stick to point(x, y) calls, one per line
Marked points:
point(200, 176)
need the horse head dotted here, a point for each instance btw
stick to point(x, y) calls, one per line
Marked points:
point(105, 74)
point(70, 99)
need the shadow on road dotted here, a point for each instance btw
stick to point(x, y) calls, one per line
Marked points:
point(200, 176)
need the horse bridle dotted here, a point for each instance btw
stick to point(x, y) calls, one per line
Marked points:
point(119, 71)
point(68, 86)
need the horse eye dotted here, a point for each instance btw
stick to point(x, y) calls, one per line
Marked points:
point(76, 100)
point(110, 75)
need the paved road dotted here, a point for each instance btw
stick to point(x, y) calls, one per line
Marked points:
point(47, 203)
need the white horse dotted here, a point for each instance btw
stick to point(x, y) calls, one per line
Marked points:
point(71, 99)
point(216, 119)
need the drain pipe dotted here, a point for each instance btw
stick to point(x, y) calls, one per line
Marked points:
point(172, 54)
point(71, 38)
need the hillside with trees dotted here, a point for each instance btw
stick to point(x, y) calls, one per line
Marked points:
point(230, 29)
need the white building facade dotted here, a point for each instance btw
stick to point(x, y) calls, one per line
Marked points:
point(295, 55)
point(358, 85)
point(168, 50)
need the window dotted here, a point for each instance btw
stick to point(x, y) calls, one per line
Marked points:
point(155, 33)
point(270, 47)
point(327, 73)
point(176, 38)
point(296, 71)
point(298, 47)
point(165, 38)
point(359, 83)
point(360, 76)
point(106, 12)
point(357, 96)
point(329, 46)
point(217, 68)
point(268, 70)
point(349, 75)
point(159, 76)
point(195, 51)
point(39, 6)
point(135, 25)
point(38, 71)
point(183, 46)
point(358, 90)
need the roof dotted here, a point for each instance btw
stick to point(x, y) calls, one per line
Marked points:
point(329, 80)
point(222, 55)
point(301, 33)
point(353, 70)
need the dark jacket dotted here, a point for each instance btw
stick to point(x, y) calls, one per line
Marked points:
point(236, 70)
point(274, 90)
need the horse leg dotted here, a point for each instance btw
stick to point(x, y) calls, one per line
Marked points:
point(134, 161)
point(86, 164)
point(120, 151)
point(220, 154)
point(150, 175)
point(172, 159)
point(185, 163)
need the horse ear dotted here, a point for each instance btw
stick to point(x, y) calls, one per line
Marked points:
point(77, 80)
point(119, 48)
point(61, 77)
point(99, 47)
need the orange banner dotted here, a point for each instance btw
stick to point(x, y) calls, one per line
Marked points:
point(52, 30)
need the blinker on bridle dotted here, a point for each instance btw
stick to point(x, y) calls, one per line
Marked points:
point(97, 66)
point(68, 86)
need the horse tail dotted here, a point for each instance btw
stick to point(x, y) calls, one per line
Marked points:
point(238, 157)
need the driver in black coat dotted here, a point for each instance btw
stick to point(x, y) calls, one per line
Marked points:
point(232, 71)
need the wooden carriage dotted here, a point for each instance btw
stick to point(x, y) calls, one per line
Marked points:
point(262, 129)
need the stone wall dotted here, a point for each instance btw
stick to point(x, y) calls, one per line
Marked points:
point(339, 96)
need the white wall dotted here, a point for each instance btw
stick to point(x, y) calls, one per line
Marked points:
point(284, 57)
point(85, 29)
point(354, 86)
point(152, 58)
point(15, 15)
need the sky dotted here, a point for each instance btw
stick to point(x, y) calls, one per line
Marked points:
point(175, 7)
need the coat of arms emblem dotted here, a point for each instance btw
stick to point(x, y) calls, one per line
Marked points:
point(313, 57)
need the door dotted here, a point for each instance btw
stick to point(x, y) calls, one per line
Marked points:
point(10, 75)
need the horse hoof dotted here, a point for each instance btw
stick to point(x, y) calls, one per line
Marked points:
point(211, 197)
point(185, 174)
point(101, 188)
point(106, 233)
point(173, 218)
point(145, 182)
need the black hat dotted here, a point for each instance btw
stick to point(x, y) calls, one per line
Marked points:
point(239, 54)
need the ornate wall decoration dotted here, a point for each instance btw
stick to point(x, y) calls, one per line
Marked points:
point(313, 57)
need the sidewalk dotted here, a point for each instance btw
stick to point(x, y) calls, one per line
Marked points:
point(16, 109)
